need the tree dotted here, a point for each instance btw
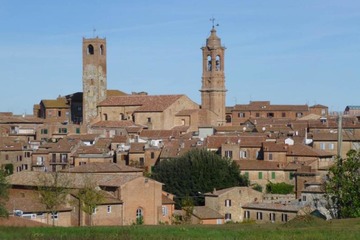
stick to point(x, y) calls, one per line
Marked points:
point(279, 188)
point(197, 172)
point(90, 197)
point(342, 186)
point(4, 187)
point(53, 189)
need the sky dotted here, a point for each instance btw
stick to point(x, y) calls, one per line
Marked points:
point(282, 51)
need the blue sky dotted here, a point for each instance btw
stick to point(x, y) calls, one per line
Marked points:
point(287, 52)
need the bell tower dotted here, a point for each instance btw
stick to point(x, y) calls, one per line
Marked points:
point(94, 76)
point(213, 90)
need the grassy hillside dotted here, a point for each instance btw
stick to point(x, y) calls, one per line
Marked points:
point(303, 228)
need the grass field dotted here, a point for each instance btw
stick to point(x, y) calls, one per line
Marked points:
point(298, 229)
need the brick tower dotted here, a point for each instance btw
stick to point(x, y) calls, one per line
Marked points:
point(213, 90)
point(94, 76)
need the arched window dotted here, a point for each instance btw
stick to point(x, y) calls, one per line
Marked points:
point(209, 63)
point(90, 49)
point(101, 49)
point(218, 63)
point(105, 117)
point(139, 213)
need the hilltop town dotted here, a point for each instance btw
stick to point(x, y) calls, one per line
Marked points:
point(116, 138)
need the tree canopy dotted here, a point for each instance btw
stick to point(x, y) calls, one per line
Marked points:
point(197, 172)
point(343, 186)
point(4, 186)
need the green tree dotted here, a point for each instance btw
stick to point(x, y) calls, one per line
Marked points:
point(279, 188)
point(4, 187)
point(90, 196)
point(197, 172)
point(53, 189)
point(343, 186)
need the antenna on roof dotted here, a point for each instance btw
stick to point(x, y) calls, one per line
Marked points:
point(94, 30)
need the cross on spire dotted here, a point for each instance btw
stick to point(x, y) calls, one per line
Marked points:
point(213, 22)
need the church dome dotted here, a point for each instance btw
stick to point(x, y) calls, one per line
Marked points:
point(213, 41)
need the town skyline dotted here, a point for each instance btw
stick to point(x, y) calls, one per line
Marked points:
point(286, 53)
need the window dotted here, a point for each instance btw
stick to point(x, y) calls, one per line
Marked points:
point(247, 174)
point(95, 210)
point(59, 113)
point(243, 154)
point(90, 50)
point(53, 159)
point(142, 161)
point(227, 216)
point(164, 211)
point(63, 158)
point(260, 175)
point(109, 209)
point(259, 215)
point(322, 146)
point(270, 156)
point(55, 216)
point(299, 114)
point(101, 49)
point(209, 63)
point(44, 131)
point(228, 118)
point(284, 217)
point(304, 198)
point(6, 156)
point(152, 155)
point(270, 115)
point(291, 175)
point(331, 146)
point(273, 176)
point(283, 114)
point(272, 217)
point(62, 130)
point(139, 213)
point(228, 154)
point(218, 63)
point(27, 154)
point(241, 115)
point(149, 119)
point(228, 203)
point(77, 130)
point(257, 115)
point(105, 117)
point(247, 214)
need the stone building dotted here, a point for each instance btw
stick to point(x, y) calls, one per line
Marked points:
point(94, 76)
point(213, 90)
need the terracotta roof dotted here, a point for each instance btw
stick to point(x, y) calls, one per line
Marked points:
point(28, 201)
point(306, 151)
point(216, 141)
point(146, 103)
point(83, 137)
point(346, 136)
point(137, 148)
point(166, 200)
point(177, 147)
point(114, 124)
point(111, 93)
point(102, 168)
point(272, 207)
point(159, 134)
point(19, 120)
point(218, 192)
point(266, 106)
point(187, 112)
point(203, 212)
point(259, 165)
point(119, 139)
point(108, 198)
point(57, 103)
point(274, 147)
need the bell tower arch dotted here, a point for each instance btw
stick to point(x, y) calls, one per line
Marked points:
point(213, 92)
point(94, 76)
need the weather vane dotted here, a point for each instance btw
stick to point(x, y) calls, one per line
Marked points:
point(213, 22)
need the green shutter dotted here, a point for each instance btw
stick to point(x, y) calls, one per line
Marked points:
point(273, 175)
point(260, 175)
point(78, 130)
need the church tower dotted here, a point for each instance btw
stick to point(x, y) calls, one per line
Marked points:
point(213, 90)
point(94, 76)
